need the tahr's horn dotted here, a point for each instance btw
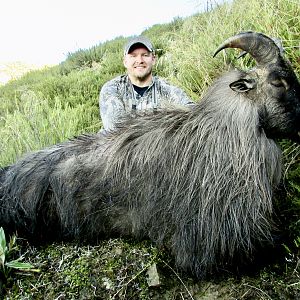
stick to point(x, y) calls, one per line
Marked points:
point(262, 48)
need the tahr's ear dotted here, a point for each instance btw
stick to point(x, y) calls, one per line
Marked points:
point(243, 85)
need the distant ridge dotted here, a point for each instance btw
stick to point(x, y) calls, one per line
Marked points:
point(14, 70)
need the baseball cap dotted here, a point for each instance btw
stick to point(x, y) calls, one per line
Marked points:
point(138, 40)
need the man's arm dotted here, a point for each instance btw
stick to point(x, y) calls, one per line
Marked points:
point(111, 106)
point(177, 95)
point(174, 94)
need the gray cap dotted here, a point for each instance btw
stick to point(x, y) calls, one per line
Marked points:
point(138, 40)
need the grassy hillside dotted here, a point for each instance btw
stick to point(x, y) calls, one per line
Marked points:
point(185, 58)
point(47, 106)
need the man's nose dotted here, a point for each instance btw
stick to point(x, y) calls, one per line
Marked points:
point(139, 59)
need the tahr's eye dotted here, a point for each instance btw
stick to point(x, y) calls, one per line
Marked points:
point(280, 82)
point(277, 82)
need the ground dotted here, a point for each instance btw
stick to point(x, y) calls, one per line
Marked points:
point(125, 269)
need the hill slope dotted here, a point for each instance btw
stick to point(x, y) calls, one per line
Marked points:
point(51, 105)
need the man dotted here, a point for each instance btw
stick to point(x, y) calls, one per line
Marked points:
point(138, 89)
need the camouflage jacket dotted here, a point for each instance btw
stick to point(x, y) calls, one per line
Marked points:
point(118, 98)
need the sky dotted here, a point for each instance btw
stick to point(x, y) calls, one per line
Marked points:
point(43, 32)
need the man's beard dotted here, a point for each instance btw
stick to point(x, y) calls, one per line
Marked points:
point(145, 76)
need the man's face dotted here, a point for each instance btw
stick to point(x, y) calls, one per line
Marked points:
point(139, 63)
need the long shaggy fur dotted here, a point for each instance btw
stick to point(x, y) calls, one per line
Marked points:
point(199, 182)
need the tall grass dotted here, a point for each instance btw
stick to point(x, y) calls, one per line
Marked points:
point(189, 61)
point(35, 124)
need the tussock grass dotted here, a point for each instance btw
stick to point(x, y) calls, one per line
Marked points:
point(188, 59)
point(35, 124)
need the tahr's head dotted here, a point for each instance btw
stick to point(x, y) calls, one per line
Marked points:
point(272, 85)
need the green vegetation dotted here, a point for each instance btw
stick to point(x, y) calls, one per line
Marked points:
point(48, 106)
point(7, 264)
point(6, 250)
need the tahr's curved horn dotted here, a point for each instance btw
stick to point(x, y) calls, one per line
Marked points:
point(262, 48)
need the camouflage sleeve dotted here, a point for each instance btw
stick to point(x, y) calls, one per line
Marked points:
point(111, 106)
point(177, 95)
